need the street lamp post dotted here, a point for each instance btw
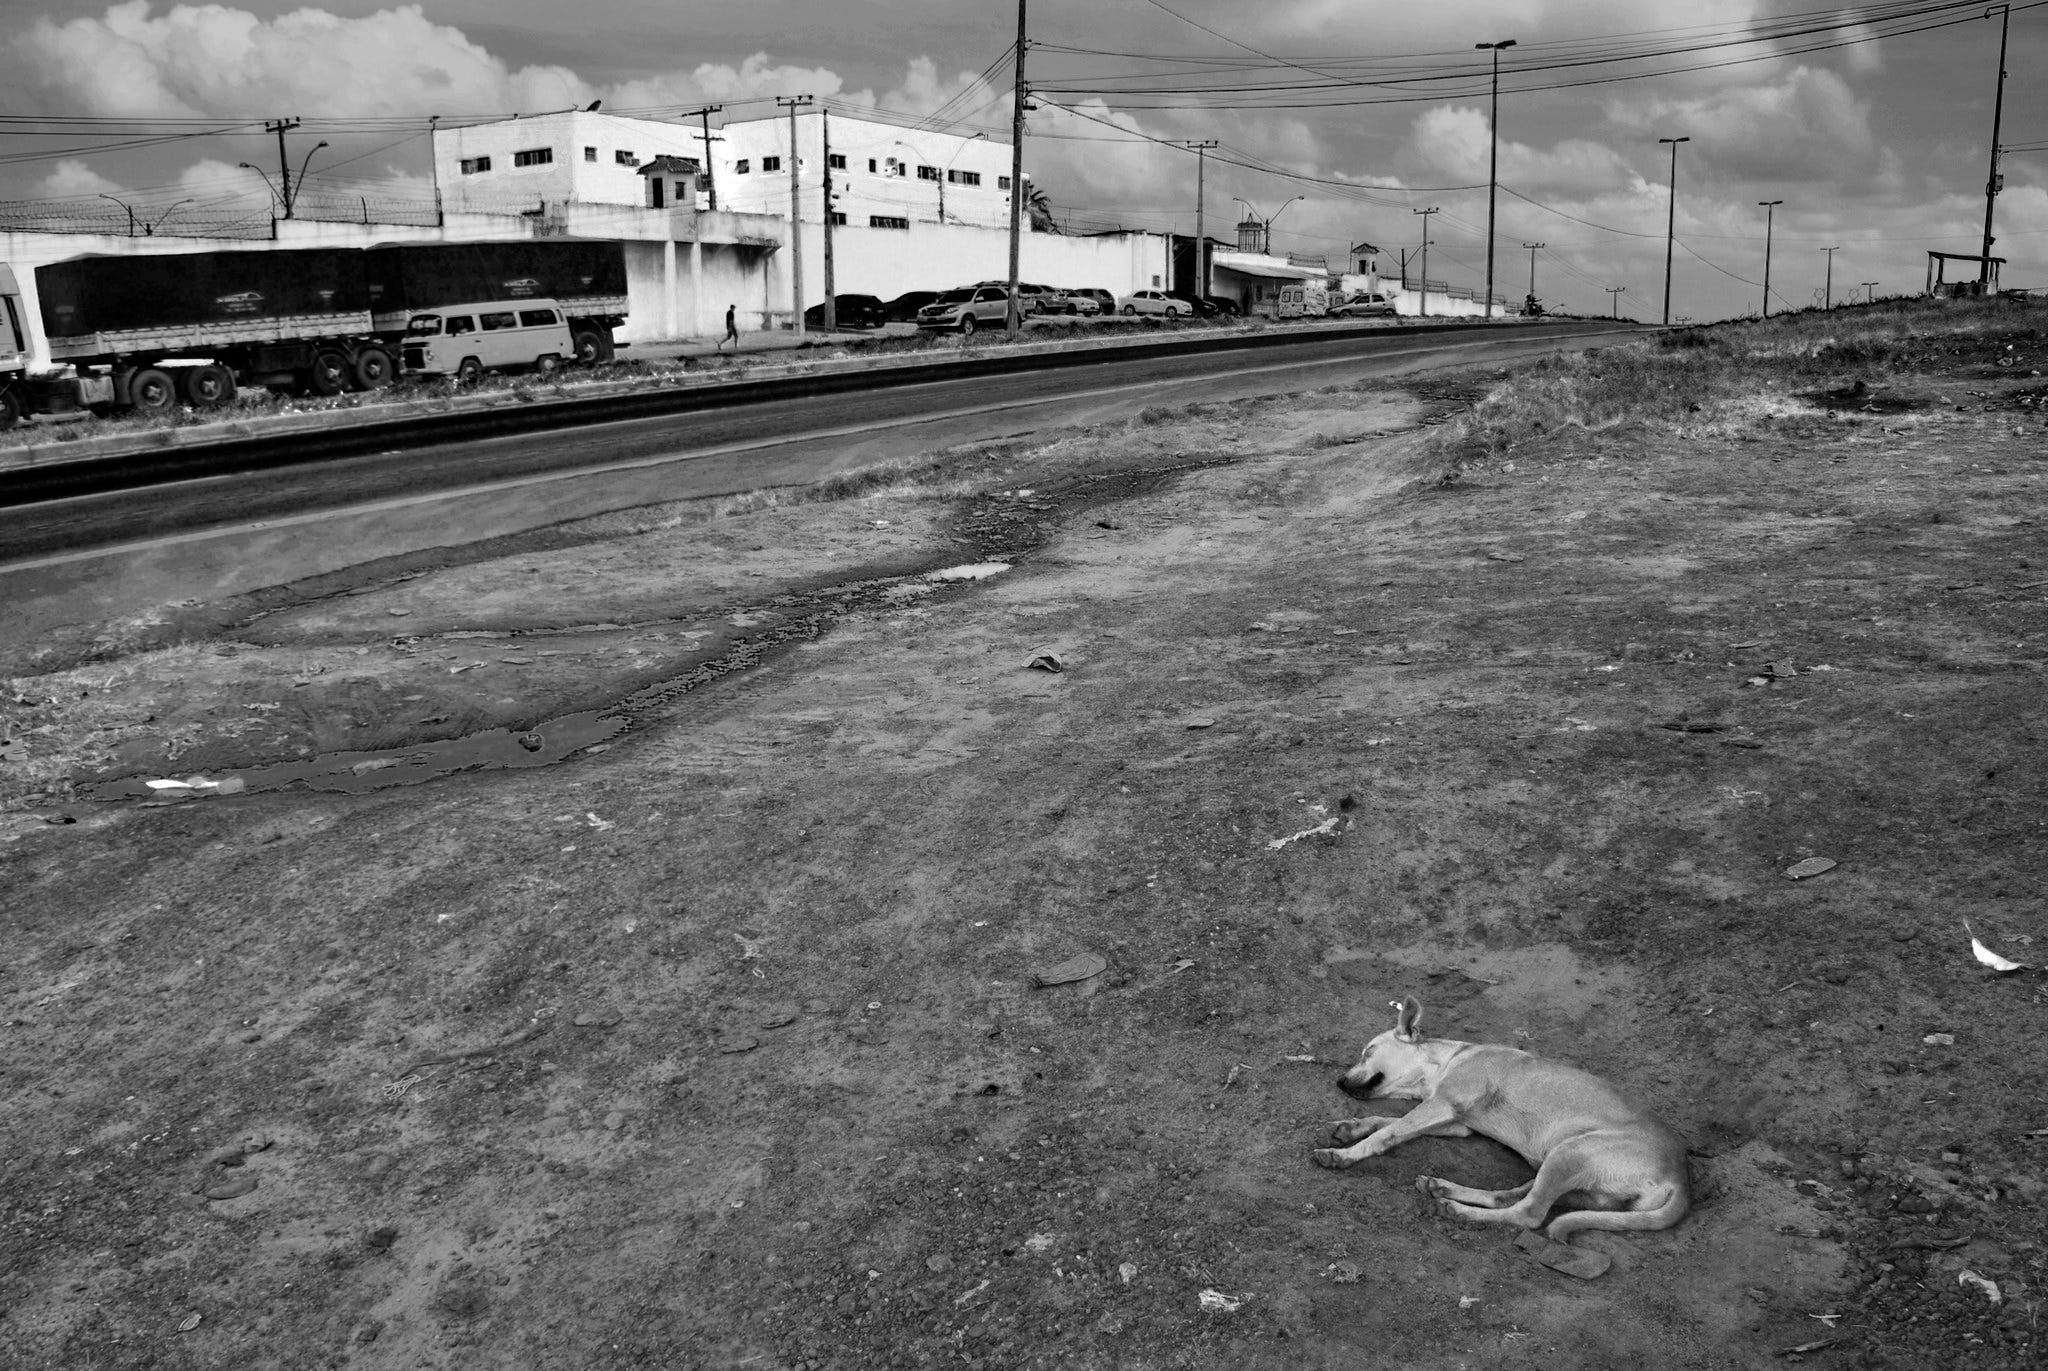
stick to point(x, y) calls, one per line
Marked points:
point(1827, 299)
point(125, 205)
point(1671, 223)
point(1614, 294)
point(1770, 209)
point(1422, 310)
point(1493, 162)
point(948, 171)
point(251, 166)
point(303, 164)
point(150, 229)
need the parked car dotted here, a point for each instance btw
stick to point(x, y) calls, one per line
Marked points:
point(903, 309)
point(1198, 307)
point(1092, 300)
point(967, 309)
point(467, 340)
point(1151, 302)
point(852, 311)
point(1226, 308)
point(1364, 305)
point(1033, 298)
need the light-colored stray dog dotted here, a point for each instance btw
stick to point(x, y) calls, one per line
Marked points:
point(1583, 1138)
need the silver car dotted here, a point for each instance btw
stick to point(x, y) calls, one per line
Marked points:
point(1151, 302)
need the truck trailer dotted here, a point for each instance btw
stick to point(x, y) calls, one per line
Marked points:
point(145, 333)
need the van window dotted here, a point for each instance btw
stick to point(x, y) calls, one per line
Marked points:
point(14, 324)
point(498, 320)
point(537, 318)
point(423, 324)
point(460, 323)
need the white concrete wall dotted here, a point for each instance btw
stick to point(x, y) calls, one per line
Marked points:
point(858, 191)
point(888, 262)
point(572, 136)
point(1441, 306)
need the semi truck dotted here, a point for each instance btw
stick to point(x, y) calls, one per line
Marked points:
point(146, 333)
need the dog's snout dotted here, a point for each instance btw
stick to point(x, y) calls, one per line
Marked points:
point(1359, 1083)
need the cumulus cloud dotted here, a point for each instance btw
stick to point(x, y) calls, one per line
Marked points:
point(1455, 140)
point(73, 178)
point(1807, 124)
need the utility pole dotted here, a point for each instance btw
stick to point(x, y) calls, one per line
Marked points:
point(1870, 292)
point(796, 219)
point(1493, 165)
point(1827, 299)
point(1201, 245)
point(284, 168)
point(1994, 183)
point(1770, 210)
point(710, 180)
point(1614, 294)
point(434, 165)
point(1532, 269)
point(1422, 310)
point(831, 306)
point(1012, 316)
point(1671, 223)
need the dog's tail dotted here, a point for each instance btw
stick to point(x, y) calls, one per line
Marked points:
point(1660, 1208)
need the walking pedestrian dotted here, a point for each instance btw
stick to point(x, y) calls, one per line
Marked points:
point(732, 329)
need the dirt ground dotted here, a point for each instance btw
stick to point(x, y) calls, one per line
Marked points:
point(716, 1043)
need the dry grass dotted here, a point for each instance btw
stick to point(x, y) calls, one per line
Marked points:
point(1732, 377)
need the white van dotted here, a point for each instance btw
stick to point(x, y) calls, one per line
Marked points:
point(467, 340)
point(1304, 301)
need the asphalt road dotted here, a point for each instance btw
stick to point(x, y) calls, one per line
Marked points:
point(501, 485)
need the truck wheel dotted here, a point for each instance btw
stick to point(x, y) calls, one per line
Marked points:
point(966, 325)
point(374, 369)
point(588, 346)
point(469, 371)
point(150, 391)
point(330, 373)
point(208, 387)
point(10, 408)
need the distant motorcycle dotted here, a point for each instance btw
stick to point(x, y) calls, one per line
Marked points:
point(1532, 307)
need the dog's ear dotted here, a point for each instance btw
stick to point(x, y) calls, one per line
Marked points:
point(1408, 1019)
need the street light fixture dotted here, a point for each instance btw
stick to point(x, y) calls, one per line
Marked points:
point(1492, 161)
point(948, 171)
point(124, 205)
point(275, 199)
point(152, 228)
point(302, 178)
point(1770, 208)
point(1265, 221)
point(1671, 223)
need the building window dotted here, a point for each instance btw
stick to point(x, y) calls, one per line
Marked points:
point(626, 159)
point(1002, 183)
point(871, 166)
point(771, 164)
point(894, 221)
point(836, 161)
point(963, 178)
point(533, 157)
point(838, 217)
point(472, 165)
point(739, 168)
point(927, 173)
point(895, 168)
point(590, 154)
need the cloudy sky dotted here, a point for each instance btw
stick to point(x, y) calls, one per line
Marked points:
point(1368, 108)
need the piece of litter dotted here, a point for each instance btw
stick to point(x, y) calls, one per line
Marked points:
point(1201, 721)
point(1582, 1262)
point(1940, 1040)
point(1758, 681)
point(398, 613)
point(1812, 866)
point(1077, 968)
point(1038, 1242)
point(1740, 647)
point(596, 822)
point(1506, 557)
point(1828, 1319)
point(188, 1323)
point(1046, 661)
point(1783, 671)
point(1989, 1287)
point(972, 571)
point(1220, 1302)
point(374, 764)
point(749, 947)
point(1297, 1057)
point(962, 1299)
point(1983, 953)
point(1806, 1347)
point(1467, 1301)
point(1343, 1273)
point(1127, 1270)
point(1342, 632)
point(1328, 825)
point(1181, 965)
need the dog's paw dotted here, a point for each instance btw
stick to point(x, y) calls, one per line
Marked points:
point(1331, 1157)
point(1430, 1186)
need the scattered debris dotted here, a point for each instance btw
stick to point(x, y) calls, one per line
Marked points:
point(1582, 1262)
point(1046, 661)
point(1328, 825)
point(188, 1323)
point(1506, 557)
point(1806, 1347)
point(1231, 1079)
point(1200, 721)
point(596, 822)
point(226, 1187)
point(1940, 1040)
point(972, 571)
point(1989, 1287)
point(750, 948)
point(1181, 965)
point(733, 1043)
point(1110, 524)
point(374, 764)
point(1812, 866)
point(1128, 1270)
point(398, 613)
point(1988, 957)
point(1076, 968)
point(532, 742)
point(1343, 1273)
point(962, 1299)
point(778, 1017)
point(1221, 1303)
point(1038, 1242)
point(1692, 726)
point(1783, 671)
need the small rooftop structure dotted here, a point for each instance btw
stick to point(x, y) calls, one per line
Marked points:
point(1985, 283)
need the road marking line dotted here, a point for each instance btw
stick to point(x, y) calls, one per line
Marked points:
point(669, 459)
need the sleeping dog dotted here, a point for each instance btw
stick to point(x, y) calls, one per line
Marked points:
point(1583, 1138)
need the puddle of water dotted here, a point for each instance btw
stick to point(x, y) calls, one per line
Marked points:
point(972, 571)
point(498, 749)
